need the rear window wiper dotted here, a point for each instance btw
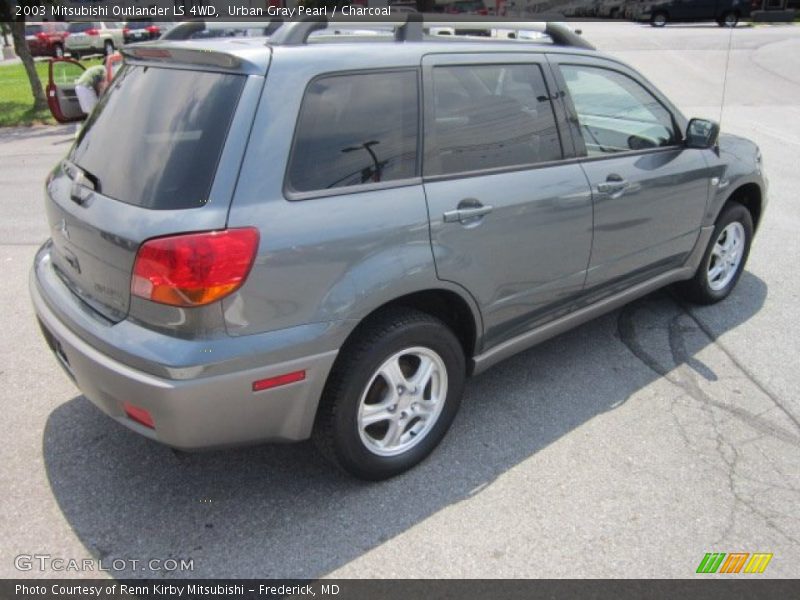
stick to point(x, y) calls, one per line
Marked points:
point(83, 182)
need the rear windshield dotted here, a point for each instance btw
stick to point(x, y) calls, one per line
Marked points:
point(155, 138)
point(138, 24)
point(33, 29)
point(80, 27)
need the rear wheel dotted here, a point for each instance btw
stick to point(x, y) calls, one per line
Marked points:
point(391, 396)
point(58, 51)
point(75, 55)
point(658, 19)
point(724, 259)
point(729, 19)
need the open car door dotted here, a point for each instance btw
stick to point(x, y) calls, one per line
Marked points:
point(61, 97)
point(113, 64)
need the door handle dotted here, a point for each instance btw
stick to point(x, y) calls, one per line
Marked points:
point(467, 212)
point(609, 186)
point(613, 184)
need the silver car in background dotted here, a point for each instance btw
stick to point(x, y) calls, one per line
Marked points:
point(97, 37)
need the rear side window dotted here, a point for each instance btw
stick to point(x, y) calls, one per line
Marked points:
point(156, 136)
point(355, 130)
point(490, 116)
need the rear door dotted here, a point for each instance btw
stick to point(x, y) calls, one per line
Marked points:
point(61, 99)
point(142, 167)
point(650, 192)
point(511, 221)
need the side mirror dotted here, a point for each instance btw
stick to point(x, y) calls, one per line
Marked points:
point(701, 133)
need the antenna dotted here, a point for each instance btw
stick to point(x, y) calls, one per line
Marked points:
point(725, 77)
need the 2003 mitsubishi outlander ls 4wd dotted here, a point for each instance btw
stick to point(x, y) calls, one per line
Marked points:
point(321, 235)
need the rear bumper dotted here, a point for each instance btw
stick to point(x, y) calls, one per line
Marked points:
point(40, 49)
point(191, 412)
point(94, 44)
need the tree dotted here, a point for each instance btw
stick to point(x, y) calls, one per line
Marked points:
point(21, 48)
point(4, 28)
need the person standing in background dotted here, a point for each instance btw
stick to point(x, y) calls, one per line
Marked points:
point(90, 86)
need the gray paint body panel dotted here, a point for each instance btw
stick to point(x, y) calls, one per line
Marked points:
point(527, 271)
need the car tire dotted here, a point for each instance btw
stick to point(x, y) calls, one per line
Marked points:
point(724, 258)
point(658, 19)
point(108, 48)
point(392, 394)
point(58, 51)
point(75, 55)
point(728, 19)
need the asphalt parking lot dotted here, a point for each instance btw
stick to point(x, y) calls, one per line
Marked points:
point(628, 447)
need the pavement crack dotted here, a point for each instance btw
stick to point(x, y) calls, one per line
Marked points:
point(751, 377)
point(745, 490)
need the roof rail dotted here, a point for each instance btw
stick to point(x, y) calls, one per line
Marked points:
point(294, 33)
point(564, 36)
point(412, 28)
point(559, 33)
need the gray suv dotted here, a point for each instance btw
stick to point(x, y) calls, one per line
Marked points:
point(323, 235)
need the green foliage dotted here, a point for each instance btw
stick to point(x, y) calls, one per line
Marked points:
point(15, 94)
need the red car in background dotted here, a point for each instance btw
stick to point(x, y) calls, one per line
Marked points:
point(141, 31)
point(46, 39)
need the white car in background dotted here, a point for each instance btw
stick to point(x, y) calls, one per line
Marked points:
point(94, 37)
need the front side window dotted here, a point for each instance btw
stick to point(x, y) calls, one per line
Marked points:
point(356, 129)
point(615, 113)
point(489, 117)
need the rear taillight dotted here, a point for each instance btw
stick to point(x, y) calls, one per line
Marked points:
point(153, 29)
point(41, 36)
point(126, 30)
point(92, 31)
point(194, 269)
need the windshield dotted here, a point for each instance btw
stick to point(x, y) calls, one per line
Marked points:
point(156, 136)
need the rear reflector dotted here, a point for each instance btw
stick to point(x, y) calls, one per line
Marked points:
point(194, 269)
point(139, 414)
point(265, 384)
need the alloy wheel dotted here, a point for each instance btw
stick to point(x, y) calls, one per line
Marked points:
point(726, 256)
point(402, 401)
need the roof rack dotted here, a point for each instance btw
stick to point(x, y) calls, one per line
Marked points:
point(412, 28)
point(297, 32)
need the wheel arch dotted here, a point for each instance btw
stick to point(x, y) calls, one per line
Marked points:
point(750, 195)
point(454, 308)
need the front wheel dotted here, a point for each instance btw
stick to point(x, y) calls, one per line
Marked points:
point(724, 259)
point(659, 19)
point(392, 395)
point(729, 19)
point(58, 51)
